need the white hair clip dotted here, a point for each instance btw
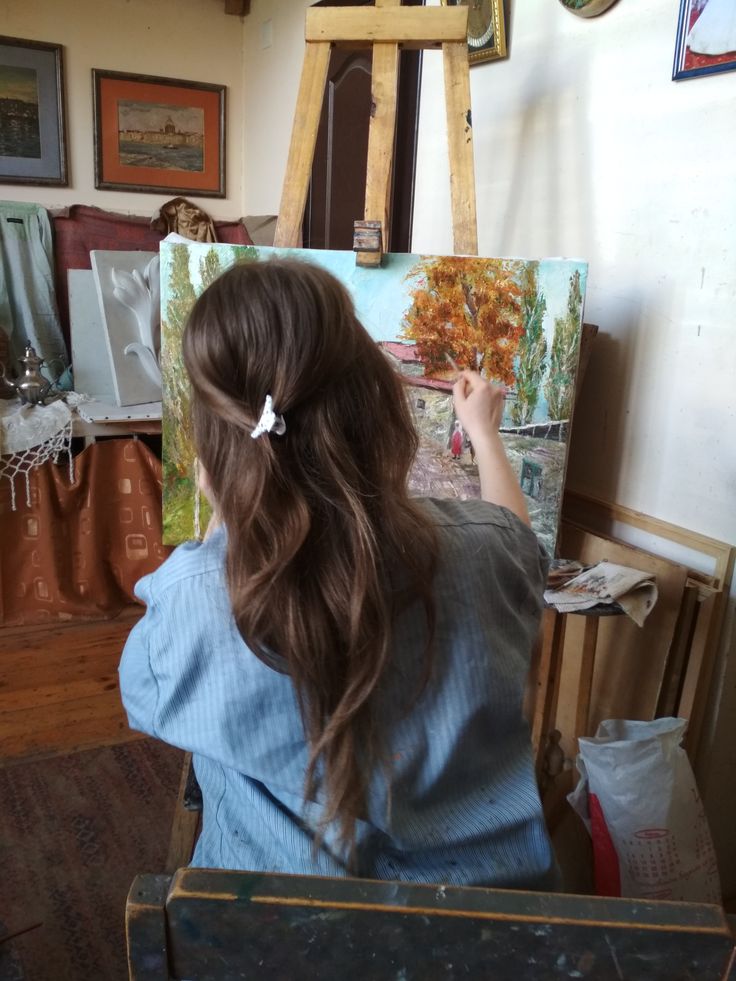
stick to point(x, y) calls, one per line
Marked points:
point(270, 421)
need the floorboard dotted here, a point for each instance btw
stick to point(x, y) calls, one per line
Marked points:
point(59, 687)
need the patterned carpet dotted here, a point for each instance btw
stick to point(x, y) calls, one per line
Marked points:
point(74, 831)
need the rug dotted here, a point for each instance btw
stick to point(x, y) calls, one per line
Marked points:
point(74, 832)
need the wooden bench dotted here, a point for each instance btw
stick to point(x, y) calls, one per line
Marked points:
point(206, 925)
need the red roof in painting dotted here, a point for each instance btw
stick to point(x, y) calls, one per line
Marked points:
point(419, 381)
point(405, 353)
point(408, 354)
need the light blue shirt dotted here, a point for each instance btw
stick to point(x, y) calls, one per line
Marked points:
point(463, 808)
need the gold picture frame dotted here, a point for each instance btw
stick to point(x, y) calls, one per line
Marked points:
point(486, 29)
point(158, 135)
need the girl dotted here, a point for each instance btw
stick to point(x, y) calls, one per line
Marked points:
point(345, 663)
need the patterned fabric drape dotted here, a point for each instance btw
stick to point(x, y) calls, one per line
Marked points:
point(80, 547)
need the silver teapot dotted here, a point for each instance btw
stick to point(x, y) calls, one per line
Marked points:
point(32, 387)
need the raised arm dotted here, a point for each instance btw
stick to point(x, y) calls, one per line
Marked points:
point(479, 407)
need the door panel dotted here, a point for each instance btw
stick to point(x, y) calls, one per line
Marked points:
point(337, 191)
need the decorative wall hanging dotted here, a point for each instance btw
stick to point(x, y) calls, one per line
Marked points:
point(486, 29)
point(159, 134)
point(706, 38)
point(587, 8)
point(518, 321)
point(32, 138)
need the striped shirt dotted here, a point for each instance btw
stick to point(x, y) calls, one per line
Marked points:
point(463, 806)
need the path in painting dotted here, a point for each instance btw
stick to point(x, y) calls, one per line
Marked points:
point(436, 474)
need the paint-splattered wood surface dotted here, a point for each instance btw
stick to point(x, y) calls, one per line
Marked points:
point(223, 925)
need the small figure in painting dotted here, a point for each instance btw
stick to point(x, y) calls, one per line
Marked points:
point(468, 445)
point(456, 441)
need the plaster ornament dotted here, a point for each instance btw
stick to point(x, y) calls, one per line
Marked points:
point(140, 293)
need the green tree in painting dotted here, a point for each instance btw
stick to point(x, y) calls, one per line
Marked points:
point(532, 348)
point(564, 354)
point(177, 421)
point(468, 308)
point(209, 268)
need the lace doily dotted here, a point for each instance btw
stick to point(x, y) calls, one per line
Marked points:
point(29, 436)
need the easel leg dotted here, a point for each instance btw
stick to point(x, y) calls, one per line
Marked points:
point(381, 133)
point(183, 826)
point(548, 683)
point(303, 141)
point(460, 143)
point(585, 683)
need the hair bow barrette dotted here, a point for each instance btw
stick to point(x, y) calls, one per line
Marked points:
point(270, 421)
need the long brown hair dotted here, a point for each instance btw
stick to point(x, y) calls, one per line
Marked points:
point(318, 519)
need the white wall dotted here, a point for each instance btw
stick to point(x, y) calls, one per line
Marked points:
point(585, 147)
point(271, 83)
point(190, 39)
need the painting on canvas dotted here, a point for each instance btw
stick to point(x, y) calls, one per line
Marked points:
point(516, 321)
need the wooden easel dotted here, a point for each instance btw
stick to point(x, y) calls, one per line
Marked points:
point(385, 28)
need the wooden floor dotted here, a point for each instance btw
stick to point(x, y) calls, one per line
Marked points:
point(59, 687)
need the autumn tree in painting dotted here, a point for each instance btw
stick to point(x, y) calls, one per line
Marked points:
point(564, 354)
point(468, 308)
point(532, 348)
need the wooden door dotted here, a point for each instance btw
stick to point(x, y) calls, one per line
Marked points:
point(337, 189)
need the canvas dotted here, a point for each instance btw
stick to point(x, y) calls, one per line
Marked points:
point(517, 321)
point(92, 369)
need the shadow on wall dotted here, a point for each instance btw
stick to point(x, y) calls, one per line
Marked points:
point(553, 140)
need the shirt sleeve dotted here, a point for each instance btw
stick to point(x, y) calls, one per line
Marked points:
point(535, 556)
point(138, 684)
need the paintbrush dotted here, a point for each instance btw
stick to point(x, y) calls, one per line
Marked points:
point(451, 361)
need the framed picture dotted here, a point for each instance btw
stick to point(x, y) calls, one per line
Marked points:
point(32, 139)
point(706, 38)
point(486, 29)
point(587, 8)
point(158, 134)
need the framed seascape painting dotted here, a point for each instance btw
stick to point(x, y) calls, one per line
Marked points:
point(158, 134)
point(32, 137)
point(517, 321)
point(706, 38)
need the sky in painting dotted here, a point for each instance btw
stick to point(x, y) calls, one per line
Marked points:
point(18, 83)
point(153, 116)
point(381, 306)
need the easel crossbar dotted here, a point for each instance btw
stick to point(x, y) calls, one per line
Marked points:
point(412, 27)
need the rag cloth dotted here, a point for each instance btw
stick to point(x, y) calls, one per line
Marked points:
point(184, 218)
point(28, 311)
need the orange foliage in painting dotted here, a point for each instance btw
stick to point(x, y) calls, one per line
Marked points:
point(468, 308)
